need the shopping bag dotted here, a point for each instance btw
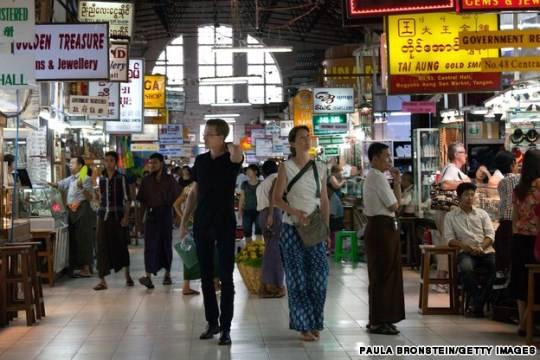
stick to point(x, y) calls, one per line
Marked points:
point(187, 251)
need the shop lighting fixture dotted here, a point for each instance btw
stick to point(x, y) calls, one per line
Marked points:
point(252, 49)
point(231, 104)
point(220, 116)
point(227, 80)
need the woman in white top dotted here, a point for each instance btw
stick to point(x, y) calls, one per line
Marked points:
point(306, 269)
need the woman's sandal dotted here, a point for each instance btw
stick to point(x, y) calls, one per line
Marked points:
point(100, 286)
point(316, 333)
point(308, 336)
point(130, 282)
point(190, 292)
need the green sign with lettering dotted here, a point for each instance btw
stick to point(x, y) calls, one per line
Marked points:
point(331, 151)
point(330, 124)
point(331, 140)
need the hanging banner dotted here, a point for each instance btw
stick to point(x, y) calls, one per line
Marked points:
point(131, 102)
point(499, 39)
point(498, 5)
point(363, 8)
point(302, 109)
point(171, 134)
point(112, 92)
point(17, 19)
point(154, 91)
point(16, 72)
point(425, 54)
point(119, 62)
point(68, 51)
point(88, 105)
point(333, 100)
point(176, 100)
point(119, 15)
point(330, 124)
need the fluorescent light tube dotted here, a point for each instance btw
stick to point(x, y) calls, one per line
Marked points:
point(250, 49)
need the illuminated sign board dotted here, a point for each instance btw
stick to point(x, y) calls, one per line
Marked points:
point(363, 8)
point(494, 5)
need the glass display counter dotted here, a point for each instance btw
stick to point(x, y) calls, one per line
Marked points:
point(45, 208)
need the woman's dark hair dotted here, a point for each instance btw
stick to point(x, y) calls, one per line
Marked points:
point(376, 149)
point(157, 156)
point(465, 187)
point(504, 160)
point(113, 154)
point(530, 171)
point(80, 160)
point(269, 167)
point(292, 136)
point(253, 168)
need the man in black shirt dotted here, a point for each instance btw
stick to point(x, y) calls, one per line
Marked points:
point(214, 177)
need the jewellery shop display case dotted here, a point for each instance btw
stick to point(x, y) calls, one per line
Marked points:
point(45, 208)
point(522, 131)
point(426, 156)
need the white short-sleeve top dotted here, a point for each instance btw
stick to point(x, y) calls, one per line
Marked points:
point(378, 195)
point(302, 194)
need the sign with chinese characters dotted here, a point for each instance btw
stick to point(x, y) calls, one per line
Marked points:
point(16, 72)
point(119, 59)
point(330, 124)
point(88, 105)
point(112, 92)
point(499, 39)
point(119, 15)
point(425, 54)
point(333, 100)
point(171, 134)
point(176, 100)
point(498, 5)
point(17, 20)
point(361, 8)
point(131, 102)
point(154, 91)
point(506, 64)
point(68, 51)
point(418, 107)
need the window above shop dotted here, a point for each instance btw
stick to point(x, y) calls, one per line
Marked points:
point(171, 63)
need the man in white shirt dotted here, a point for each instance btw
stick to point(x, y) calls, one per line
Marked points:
point(470, 229)
point(386, 302)
point(451, 174)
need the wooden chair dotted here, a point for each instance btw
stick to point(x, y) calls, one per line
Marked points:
point(426, 280)
point(532, 306)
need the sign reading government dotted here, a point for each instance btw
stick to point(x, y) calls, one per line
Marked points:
point(119, 15)
point(68, 51)
point(333, 100)
point(425, 54)
point(359, 8)
point(499, 39)
point(491, 5)
point(154, 91)
point(16, 20)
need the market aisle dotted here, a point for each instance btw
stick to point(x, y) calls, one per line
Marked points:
point(133, 323)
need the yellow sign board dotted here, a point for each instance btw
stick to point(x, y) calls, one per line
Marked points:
point(429, 43)
point(154, 91)
point(500, 39)
point(523, 64)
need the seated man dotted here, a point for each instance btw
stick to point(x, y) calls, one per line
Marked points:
point(470, 229)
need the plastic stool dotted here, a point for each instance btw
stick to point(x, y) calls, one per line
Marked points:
point(353, 253)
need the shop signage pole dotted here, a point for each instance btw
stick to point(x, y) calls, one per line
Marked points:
point(15, 174)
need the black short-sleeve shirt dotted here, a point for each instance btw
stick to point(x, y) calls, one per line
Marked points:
point(216, 182)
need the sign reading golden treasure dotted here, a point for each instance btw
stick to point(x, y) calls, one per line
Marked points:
point(425, 55)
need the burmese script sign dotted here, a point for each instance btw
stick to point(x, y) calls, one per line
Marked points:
point(119, 15)
point(497, 5)
point(88, 105)
point(119, 61)
point(16, 72)
point(16, 20)
point(359, 8)
point(68, 51)
point(425, 55)
point(112, 92)
point(499, 39)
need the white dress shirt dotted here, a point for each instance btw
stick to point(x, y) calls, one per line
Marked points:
point(469, 228)
point(378, 195)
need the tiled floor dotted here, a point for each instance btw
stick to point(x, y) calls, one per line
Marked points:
point(133, 323)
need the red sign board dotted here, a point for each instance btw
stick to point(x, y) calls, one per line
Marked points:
point(418, 107)
point(362, 8)
point(497, 5)
point(444, 83)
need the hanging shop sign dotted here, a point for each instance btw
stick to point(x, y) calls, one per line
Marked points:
point(333, 100)
point(330, 140)
point(131, 102)
point(119, 61)
point(16, 72)
point(330, 124)
point(171, 134)
point(248, 128)
point(156, 117)
point(506, 64)
point(17, 19)
point(499, 39)
point(331, 150)
point(150, 147)
point(154, 91)
point(362, 8)
point(88, 105)
point(497, 5)
point(419, 107)
point(264, 148)
point(285, 126)
point(302, 108)
point(176, 100)
point(425, 54)
point(68, 51)
point(112, 92)
point(119, 15)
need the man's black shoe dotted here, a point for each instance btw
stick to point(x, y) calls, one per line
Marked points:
point(225, 338)
point(210, 331)
point(145, 280)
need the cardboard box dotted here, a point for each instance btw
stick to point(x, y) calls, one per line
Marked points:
point(474, 130)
